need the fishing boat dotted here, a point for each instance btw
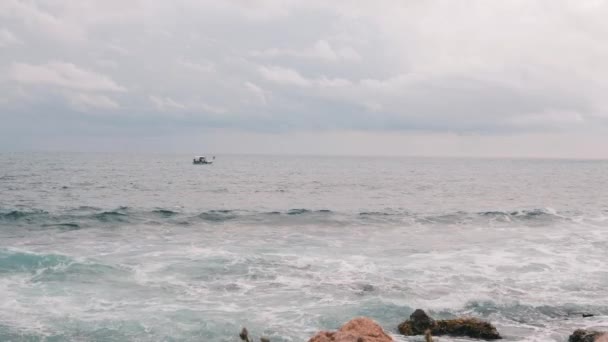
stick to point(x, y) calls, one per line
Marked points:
point(202, 160)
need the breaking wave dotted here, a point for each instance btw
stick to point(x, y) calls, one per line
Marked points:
point(15, 261)
point(53, 267)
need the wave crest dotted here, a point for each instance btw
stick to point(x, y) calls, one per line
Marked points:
point(78, 218)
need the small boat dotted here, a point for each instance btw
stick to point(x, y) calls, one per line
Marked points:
point(202, 160)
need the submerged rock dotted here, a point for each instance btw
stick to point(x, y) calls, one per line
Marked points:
point(357, 330)
point(581, 335)
point(420, 322)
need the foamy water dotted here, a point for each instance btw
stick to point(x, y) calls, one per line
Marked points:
point(152, 248)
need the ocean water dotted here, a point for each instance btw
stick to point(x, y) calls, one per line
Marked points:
point(118, 247)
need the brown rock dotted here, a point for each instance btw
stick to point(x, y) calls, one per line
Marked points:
point(419, 322)
point(357, 330)
point(588, 336)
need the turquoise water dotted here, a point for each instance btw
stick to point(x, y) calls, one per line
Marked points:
point(111, 247)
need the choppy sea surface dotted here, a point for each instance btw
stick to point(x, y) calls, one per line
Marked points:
point(119, 247)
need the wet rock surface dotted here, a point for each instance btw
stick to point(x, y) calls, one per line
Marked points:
point(420, 322)
point(357, 330)
point(581, 335)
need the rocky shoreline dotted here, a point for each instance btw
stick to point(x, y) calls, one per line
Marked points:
point(363, 329)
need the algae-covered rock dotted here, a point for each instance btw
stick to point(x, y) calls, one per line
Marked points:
point(581, 335)
point(419, 322)
point(469, 327)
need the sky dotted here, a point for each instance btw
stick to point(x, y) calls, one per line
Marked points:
point(517, 78)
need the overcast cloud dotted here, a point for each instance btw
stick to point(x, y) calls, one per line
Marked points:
point(430, 77)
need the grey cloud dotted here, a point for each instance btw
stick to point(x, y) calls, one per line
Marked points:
point(8, 38)
point(273, 66)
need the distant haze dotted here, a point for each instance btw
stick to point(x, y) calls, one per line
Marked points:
point(483, 78)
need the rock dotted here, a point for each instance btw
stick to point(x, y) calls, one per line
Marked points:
point(419, 322)
point(581, 335)
point(469, 327)
point(244, 335)
point(357, 330)
point(368, 288)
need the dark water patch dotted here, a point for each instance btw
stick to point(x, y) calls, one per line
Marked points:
point(77, 218)
point(307, 211)
point(17, 215)
point(64, 226)
point(111, 216)
point(164, 212)
point(459, 217)
point(526, 216)
point(527, 314)
point(374, 213)
point(298, 211)
point(218, 215)
point(84, 208)
point(492, 213)
point(525, 213)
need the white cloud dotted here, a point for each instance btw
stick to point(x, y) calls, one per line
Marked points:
point(83, 101)
point(40, 21)
point(8, 38)
point(324, 50)
point(550, 118)
point(258, 92)
point(284, 76)
point(332, 82)
point(289, 76)
point(117, 49)
point(166, 103)
point(64, 75)
point(321, 50)
point(207, 108)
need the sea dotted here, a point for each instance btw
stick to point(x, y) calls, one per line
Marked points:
point(149, 247)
